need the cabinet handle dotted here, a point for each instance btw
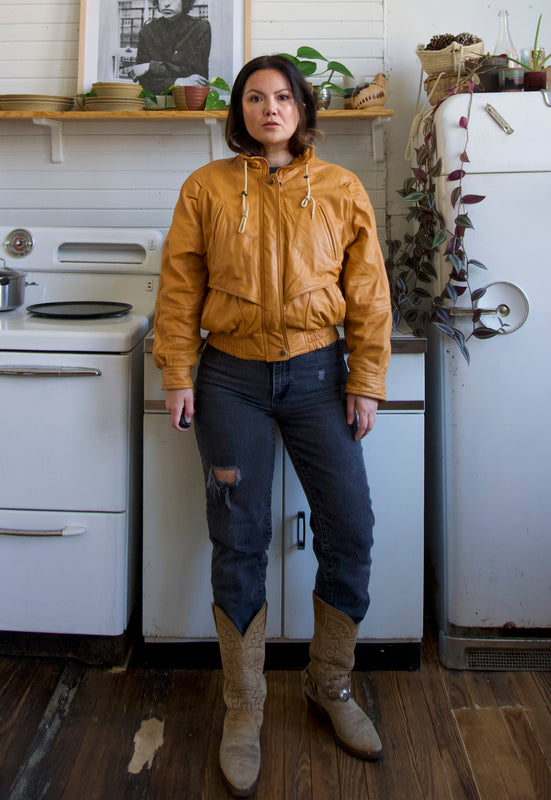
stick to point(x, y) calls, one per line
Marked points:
point(68, 530)
point(301, 530)
point(50, 372)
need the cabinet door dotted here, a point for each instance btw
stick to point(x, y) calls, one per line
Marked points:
point(177, 593)
point(394, 458)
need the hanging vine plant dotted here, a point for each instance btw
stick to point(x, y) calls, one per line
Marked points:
point(410, 262)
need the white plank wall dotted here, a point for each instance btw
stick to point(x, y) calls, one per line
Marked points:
point(39, 46)
point(129, 173)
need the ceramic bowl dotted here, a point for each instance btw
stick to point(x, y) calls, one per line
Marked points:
point(113, 104)
point(35, 102)
point(128, 91)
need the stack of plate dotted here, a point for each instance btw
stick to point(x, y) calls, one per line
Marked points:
point(115, 97)
point(35, 102)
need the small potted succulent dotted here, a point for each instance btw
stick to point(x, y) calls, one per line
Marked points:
point(305, 60)
point(535, 76)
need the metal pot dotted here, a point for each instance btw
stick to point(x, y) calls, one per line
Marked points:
point(12, 289)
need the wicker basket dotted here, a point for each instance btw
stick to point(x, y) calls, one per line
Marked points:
point(438, 87)
point(449, 59)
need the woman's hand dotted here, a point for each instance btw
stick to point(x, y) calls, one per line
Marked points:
point(366, 408)
point(191, 80)
point(138, 70)
point(178, 400)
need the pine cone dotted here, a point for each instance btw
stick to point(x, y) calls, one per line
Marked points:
point(443, 40)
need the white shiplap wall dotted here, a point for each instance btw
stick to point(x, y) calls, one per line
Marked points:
point(39, 46)
point(128, 173)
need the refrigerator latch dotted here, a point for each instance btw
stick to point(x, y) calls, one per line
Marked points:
point(495, 115)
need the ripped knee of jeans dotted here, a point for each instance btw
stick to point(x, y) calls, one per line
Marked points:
point(222, 479)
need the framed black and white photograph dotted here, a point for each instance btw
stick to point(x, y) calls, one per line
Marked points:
point(158, 43)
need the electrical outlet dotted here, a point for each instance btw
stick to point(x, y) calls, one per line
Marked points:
point(149, 284)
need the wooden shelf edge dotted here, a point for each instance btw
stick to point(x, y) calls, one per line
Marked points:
point(171, 113)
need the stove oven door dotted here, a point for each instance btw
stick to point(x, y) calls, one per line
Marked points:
point(70, 471)
point(65, 431)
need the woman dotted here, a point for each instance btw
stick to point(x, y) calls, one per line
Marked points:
point(172, 47)
point(268, 251)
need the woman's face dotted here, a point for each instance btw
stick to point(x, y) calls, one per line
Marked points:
point(270, 112)
point(170, 8)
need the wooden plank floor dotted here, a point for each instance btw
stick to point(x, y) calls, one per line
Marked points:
point(69, 731)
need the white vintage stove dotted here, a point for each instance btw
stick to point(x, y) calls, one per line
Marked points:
point(71, 380)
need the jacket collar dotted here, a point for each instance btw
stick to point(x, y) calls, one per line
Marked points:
point(257, 163)
point(260, 164)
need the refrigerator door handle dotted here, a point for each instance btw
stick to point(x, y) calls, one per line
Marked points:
point(504, 301)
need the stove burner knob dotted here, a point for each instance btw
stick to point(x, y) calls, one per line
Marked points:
point(19, 243)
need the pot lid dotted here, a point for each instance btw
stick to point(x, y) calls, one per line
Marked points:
point(79, 309)
point(7, 275)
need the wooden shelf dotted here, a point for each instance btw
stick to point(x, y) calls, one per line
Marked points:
point(53, 121)
point(173, 113)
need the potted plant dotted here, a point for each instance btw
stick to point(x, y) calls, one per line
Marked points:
point(535, 76)
point(306, 59)
point(198, 96)
point(409, 263)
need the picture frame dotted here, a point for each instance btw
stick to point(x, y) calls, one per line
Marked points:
point(109, 31)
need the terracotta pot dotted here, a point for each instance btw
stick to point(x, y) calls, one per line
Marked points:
point(190, 98)
point(534, 81)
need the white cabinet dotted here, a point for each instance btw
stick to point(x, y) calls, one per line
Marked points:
point(177, 594)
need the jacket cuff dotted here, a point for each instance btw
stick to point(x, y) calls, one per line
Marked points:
point(176, 378)
point(368, 388)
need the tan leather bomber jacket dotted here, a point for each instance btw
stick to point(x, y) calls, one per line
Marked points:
point(271, 272)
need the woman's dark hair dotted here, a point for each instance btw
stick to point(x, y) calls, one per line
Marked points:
point(238, 138)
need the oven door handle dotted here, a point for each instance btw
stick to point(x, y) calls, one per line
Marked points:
point(68, 530)
point(49, 372)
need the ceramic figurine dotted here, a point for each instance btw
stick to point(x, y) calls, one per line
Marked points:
point(370, 95)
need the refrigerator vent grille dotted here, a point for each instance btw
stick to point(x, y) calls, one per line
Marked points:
point(508, 659)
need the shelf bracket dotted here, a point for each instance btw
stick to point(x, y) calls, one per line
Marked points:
point(216, 137)
point(56, 136)
point(377, 132)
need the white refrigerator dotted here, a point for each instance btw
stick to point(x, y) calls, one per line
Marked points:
point(488, 424)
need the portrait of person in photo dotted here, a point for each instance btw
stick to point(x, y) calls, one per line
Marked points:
point(159, 43)
point(172, 47)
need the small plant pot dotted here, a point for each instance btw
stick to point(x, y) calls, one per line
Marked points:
point(190, 98)
point(534, 81)
point(511, 80)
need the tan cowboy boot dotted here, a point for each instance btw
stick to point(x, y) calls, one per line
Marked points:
point(326, 682)
point(244, 695)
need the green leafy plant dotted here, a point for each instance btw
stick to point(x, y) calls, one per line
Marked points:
point(306, 59)
point(147, 95)
point(410, 261)
point(538, 57)
point(214, 101)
